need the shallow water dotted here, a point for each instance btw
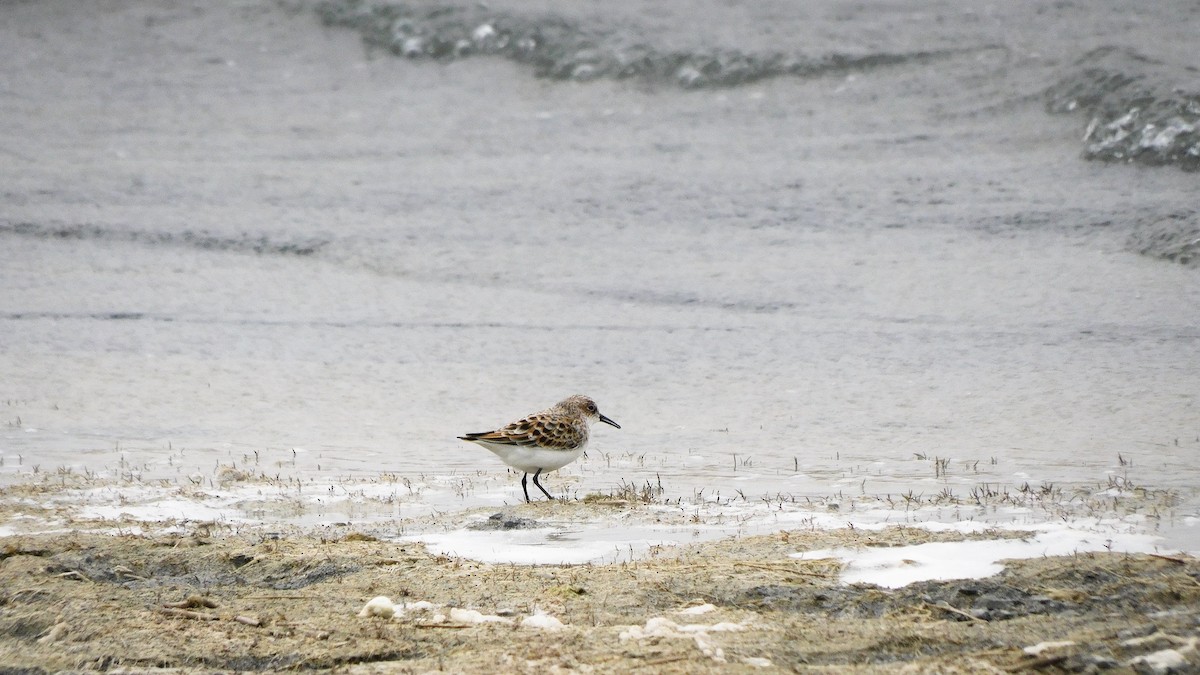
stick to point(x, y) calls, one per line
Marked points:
point(318, 264)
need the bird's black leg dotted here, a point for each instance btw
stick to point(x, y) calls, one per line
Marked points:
point(535, 482)
point(525, 486)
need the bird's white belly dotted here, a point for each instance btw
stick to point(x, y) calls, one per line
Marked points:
point(531, 458)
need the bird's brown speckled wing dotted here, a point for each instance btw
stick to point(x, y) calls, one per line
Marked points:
point(542, 430)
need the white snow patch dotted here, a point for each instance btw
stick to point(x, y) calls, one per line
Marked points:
point(899, 566)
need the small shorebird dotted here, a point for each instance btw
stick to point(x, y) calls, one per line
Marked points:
point(543, 441)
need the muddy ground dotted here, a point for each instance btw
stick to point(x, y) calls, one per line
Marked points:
point(218, 601)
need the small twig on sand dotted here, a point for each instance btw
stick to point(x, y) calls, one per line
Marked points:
point(73, 574)
point(955, 610)
point(1035, 664)
point(248, 620)
point(443, 625)
point(32, 592)
point(188, 614)
point(780, 568)
point(1171, 558)
point(663, 660)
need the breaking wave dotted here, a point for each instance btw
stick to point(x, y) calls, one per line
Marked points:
point(1172, 236)
point(558, 48)
point(1140, 110)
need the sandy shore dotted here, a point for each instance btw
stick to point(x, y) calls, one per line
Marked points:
point(209, 601)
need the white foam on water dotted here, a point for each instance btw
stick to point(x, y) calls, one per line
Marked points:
point(541, 546)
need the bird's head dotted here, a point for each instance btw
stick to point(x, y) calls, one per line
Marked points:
point(586, 407)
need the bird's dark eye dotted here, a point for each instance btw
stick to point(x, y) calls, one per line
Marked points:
point(591, 407)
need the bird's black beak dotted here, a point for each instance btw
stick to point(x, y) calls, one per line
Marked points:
point(608, 421)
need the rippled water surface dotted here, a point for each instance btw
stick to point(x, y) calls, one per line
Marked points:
point(298, 255)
